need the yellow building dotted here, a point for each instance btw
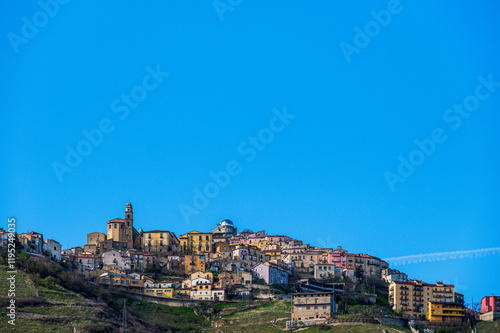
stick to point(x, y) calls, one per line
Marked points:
point(273, 254)
point(204, 275)
point(196, 242)
point(263, 244)
point(445, 312)
point(413, 297)
point(121, 281)
point(160, 242)
point(159, 292)
point(202, 291)
point(182, 292)
point(194, 263)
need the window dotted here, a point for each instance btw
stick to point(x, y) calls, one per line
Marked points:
point(115, 226)
point(191, 237)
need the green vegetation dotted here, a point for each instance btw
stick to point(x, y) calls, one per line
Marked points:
point(356, 328)
point(177, 319)
point(24, 286)
point(488, 326)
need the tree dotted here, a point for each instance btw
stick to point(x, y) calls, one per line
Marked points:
point(359, 273)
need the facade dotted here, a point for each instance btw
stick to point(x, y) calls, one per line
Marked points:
point(110, 245)
point(490, 303)
point(53, 248)
point(116, 258)
point(159, 292)
point(372, 266)
point(130, 283)
point(196, 242)
point(32, 241)
point(194, 263)
point(122, 230)
point(308, 306)
point(304, 261)
point(160, 242)
point(389, 275)
point(271, 274)
point(338, 257)
point(202, 291)
point(490, 308)
point(324, 271)
point(96, 238)
point(445, 312)
point(413, 297)
point(88, 260)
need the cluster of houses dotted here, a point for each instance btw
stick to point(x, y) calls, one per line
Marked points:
point(213, 265)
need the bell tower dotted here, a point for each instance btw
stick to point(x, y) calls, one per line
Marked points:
point(129, 226)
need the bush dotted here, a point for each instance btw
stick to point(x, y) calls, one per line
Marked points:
point(324, 327)
point(99, 328)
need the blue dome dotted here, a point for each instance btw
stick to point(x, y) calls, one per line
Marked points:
point(226, 222)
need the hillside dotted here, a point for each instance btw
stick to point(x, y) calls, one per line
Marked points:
point(49, 299)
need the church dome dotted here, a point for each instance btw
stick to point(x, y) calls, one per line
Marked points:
point(226, 222)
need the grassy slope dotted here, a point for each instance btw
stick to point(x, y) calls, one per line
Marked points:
point(489, 327)
point(62, 302)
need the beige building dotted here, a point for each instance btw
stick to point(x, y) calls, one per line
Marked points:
point(122, 230)
point(96, 238)
point(160, 242)
point(312, 306)
point(413, 297)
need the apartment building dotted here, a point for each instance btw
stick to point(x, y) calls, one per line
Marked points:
point(196, 242)
point(324, 271)
point(159, 292)
point(445, 312)
point(308, 306)
point(490, 308)
point(160, 242)
point(31, 241)
point(270, 273)
point(194, 263)
point(389, 275)
point(131, 283)
point(413, 297)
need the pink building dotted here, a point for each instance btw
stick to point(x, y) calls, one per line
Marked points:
point(490, 303)
point(278, 238)
point(338, 257)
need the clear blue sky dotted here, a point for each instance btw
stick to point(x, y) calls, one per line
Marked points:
point(321, 178)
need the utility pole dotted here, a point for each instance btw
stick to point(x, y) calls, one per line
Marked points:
point(124, 322)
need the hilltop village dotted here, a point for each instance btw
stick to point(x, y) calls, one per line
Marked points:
point(223, 265)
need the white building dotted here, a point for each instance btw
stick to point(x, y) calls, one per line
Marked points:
point(115, 258)
point(53, 248)
point(323, 271)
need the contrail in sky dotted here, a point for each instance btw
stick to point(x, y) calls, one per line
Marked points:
point(441, 256)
